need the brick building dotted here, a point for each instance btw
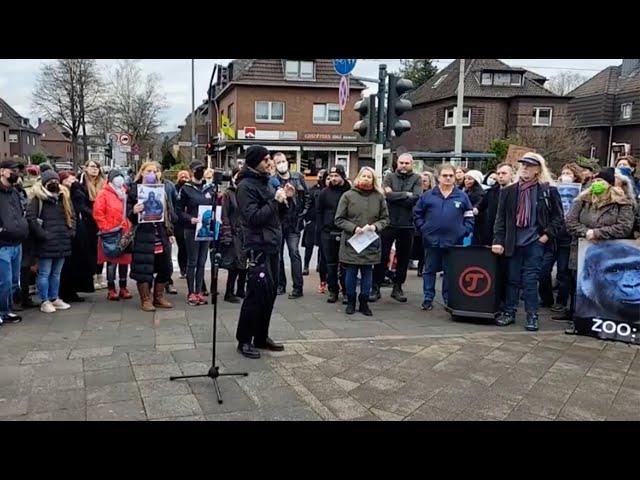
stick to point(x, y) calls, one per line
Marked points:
point(608, 107)
point(56, 141)
point(24, 140)
point(290, 106)
point(499, 101)
point(5, 150)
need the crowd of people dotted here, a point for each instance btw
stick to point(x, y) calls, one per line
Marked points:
point(66, 229)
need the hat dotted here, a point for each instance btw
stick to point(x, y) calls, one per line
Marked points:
point(113, 174)
point(531, 158)
point(10, 164)
point(608, 175)
point(476, 175)
point(44, 167)
point(255, 154)
point(339, 169)
point(195, 165)
point(48, 175)
point(65, 174)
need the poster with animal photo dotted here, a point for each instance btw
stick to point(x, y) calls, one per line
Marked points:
point(154, 201)
point(608, 290)
point(204, 228)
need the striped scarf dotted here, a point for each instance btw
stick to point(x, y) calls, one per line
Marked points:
point(523, 212)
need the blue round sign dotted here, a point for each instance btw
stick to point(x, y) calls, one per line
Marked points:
point(344, 66)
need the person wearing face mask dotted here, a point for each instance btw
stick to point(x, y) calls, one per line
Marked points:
point(14, 229)
point(183, 177)
point(309, 236)
point(92, 181)
point(77, 273)
point(627, 165)
point(292, 225)
point(52, 219)
point(602, 212)
point(234, 258)
point(109, 212)
point(208, 176)
point(171, 196)
point(151, 263)
point(193, 194)
point(472, 186)
point(363, 208)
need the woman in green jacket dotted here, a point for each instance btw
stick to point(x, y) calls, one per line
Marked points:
point(361, 209)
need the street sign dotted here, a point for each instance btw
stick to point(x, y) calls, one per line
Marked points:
point(344, 66)
point(249, 132)
point(113, 137)
point(125, 139)
point(125, 148)
point(184, 144)
point(343, 92)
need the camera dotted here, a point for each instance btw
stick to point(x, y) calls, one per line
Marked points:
point(220, 176)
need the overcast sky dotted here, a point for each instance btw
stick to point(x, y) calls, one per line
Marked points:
point(17, 78)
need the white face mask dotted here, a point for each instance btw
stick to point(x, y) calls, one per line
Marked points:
point(566, 179)
point(117, 182)
point(491, 182)
point(282, 167)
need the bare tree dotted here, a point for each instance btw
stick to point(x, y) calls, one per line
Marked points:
point(133, 103)
point(565, 81)
point(65, 91)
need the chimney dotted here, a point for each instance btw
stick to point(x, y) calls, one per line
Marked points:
point(629, 65)
point(39, 121)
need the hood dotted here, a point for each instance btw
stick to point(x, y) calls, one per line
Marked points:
point(614, 195)
point(38, 191)
point(248, 172)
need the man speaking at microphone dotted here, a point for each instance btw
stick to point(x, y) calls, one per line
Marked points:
point(262, 208)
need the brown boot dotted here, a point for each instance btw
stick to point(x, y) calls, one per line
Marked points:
point(158, 296)
point(145, 297)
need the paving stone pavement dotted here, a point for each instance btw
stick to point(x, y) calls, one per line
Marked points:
point(109, 361)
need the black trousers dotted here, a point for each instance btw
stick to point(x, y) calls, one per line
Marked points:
point(182, 250)
point(330, 246)
point(123, 270)
point(404, 240)
point(262, 287)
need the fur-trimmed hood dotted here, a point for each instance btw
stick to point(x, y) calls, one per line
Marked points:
point(38, 191)
point(613, 195)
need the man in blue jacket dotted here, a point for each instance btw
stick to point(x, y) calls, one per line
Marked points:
point(444, 216)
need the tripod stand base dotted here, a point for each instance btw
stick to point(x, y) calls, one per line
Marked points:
point(213, 374)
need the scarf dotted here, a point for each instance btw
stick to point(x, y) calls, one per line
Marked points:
point(523, 212)
point(364, 187)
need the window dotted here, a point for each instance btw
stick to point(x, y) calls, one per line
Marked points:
point(13, 138)
point(25, 122)
point(270, 112)
point(232, 114)
point(542, 116)
point(326, 113)
point(502, 79)
point(299, 70)
point(487, 78)
point(626, 110)
point(450, 116)
point(516, 79)
point(4, 137)
point(439, 81)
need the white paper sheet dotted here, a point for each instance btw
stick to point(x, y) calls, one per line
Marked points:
point(361, 241)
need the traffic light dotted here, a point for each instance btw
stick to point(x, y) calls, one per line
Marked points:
point(397, 106)
point(108, 150)
point(366, 126)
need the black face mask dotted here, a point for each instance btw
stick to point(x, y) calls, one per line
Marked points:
point(198, 174)
point(13, 178)
point(53, 187)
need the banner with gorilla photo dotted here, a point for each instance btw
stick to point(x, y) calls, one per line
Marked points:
point(608, 290)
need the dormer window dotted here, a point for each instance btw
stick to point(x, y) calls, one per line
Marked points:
point(25, 122)
point(299, 70)
point(501, 79)
point(439, 81)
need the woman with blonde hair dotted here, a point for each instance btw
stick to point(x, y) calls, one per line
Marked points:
point(51, 220)
point(92, 181)
point(361, 209)
point(151, 242)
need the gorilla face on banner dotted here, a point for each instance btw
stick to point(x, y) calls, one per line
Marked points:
point(609, 281)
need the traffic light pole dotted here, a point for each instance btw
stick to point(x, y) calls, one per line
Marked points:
point(382, 79)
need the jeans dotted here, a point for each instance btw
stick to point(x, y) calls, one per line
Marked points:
point(196, 258)
point(255, 313)
point(49, 270)
point(524, 270)
point(293, 241)
point(563, 275)
point(545, 288)
point(433, 263)
point(404, 239)
point(111, 275)
point(351, 278)
point(10, 260)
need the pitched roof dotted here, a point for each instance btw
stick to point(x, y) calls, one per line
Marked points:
point(270, 71)
point(53, 132)
point(14, 119)
point(610, 81)
point(444, 84)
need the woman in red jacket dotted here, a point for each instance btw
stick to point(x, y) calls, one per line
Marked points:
point(109, 211)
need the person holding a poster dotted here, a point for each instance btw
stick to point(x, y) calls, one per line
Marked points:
point(151, 241)
point(529, 216)
point(361, 211)
point(602, 212)
point(193, 194)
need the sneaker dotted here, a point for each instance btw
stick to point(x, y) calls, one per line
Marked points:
point(193, 300)
point(112, 295)
point(295, 294)
point(10, 318)
point(557, 308)
point(125, 294)
point(281, 291)
point(248, 350)
point(322, 288)
point(201, 299)
point(506, 319)
point(426, 306)
point(58, 304)
point(47, 307)
point(305, 272)
point(183, 275)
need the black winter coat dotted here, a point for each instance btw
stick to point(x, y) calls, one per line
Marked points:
point(261, 214)
point(400, 205)
point(309, 239)
point(486, 219)
point(232, 232)
point(52, 235)
point(299, 204)
point(550, 216)
point(144, 240)
point(191, 196)
point(326, 206)
point(14, 228)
